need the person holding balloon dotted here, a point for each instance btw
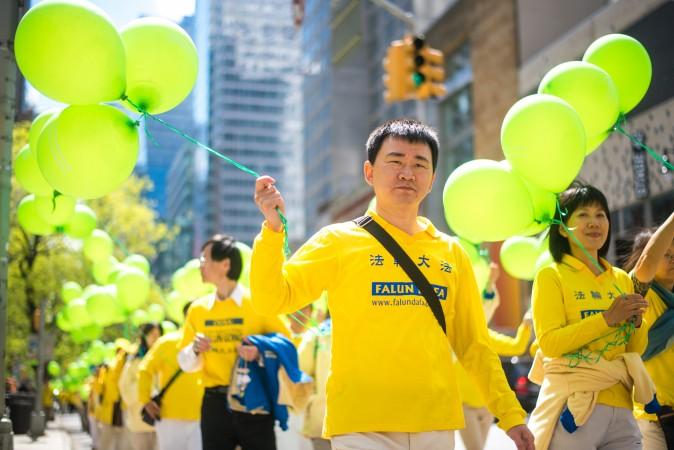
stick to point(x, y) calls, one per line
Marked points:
point(141, 435)
point(651, 263)
point(583, 311)
point(392, 379)
point(213, 335)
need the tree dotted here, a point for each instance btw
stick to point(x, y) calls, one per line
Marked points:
point(39, 265)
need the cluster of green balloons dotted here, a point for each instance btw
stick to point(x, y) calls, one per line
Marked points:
point(70, 51)
point(545, 138)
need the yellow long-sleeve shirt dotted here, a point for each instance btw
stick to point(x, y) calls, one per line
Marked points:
point(659, 367)
point(182, 400)
point(392, 366)
point(111, 388)
point(128, 389)
point(568, 301)
point(226, 323)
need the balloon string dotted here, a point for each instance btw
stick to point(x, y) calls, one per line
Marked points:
point(145, 114)
point(311, 329)
point(619, 128)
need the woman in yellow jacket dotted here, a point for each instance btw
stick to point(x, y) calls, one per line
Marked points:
point(141, 435)
point(577, 306)
point(652, 264)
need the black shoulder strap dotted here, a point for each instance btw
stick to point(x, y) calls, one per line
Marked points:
point(407, 264)
point(168, 385)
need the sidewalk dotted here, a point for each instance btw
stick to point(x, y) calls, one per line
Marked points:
point(64, 433)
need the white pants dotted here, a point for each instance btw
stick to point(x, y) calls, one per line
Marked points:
point(430, 440)
point(478, 422)
point(178, 434)
point(653, 436)
point(608, 428)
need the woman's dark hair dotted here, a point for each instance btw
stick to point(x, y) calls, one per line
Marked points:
point(577, 196)
point(146, 329)
point(224, 247)
point(409, 130)
point(640, 240)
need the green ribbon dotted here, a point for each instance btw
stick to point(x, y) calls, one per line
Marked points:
point(145, 115)
point(619, 128)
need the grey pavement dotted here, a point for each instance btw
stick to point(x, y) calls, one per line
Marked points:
point(63, 433)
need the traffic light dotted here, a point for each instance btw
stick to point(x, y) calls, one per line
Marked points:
point(398, 68)
point(429, 74)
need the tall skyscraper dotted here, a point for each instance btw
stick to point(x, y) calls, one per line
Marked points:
point(255, 113)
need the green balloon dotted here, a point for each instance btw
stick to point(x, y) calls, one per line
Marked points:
point(595, 142)
point(544, 140)
point(139, 317)
point(102, 268)
point(76, 311)
point(114, 272)
point(53, 369)
point(97, 352)
point(98, 246)
point(628, 64)
point(519, 256)
point(246, 253)
point(174, 306)
point(178, 282)
point(82, 223)
point(88, 151)
point(473, 250)
point(155, 312)
point(84, 391)
point(55, 210)
point(544, 204)
point(28, 172)
point(590, 91)
point(138, 261)
point(70, 291)
point(86, 333)
point(70, 51)
point(544, 260)
point(133, 288)
point(168, 327)
point(161, 64)
point(190, 284)
point(484, 201)
point(29, 218)
point(102, 306)
point(38, 125)
point(62, 321)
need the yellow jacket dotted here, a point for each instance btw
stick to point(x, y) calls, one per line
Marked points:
point(392, 367)
point(659, 367)
point(182, 400)
point(226, 323)
point(503, 345)
point(579, 388)
point(128, 389)
point(567, 303)
point(314, 359)
point(110, 388)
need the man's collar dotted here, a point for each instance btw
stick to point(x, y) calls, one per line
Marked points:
point(236, 295)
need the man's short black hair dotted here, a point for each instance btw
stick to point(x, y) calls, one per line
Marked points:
point(577, 196)
point(409, 130)
point(224, 247)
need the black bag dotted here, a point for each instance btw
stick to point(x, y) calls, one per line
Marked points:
point(147, 418)
point(408, 266)
point(666, 419)
point(117, 414)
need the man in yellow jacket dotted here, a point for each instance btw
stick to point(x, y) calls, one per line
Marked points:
point(179, 411)
point(392, 382)
point(113, 435)
point(213, 334)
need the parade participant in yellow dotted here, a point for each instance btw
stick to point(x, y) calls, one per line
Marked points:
point(652, 265)
point(577, 307)
point(213, 334)
point(392, 382)
point(113, 434)
point(179, 410)
point(141, 434)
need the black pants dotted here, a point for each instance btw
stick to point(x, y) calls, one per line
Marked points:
point(222, 429)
